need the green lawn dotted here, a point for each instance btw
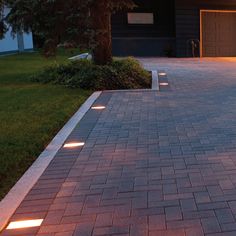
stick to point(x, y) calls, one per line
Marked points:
point(30, 113)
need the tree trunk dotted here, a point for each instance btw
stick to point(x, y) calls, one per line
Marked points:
point(101, 20)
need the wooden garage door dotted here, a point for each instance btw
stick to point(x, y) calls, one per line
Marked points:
point(218, 34)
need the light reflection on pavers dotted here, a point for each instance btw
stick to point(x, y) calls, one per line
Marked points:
point(152, 164)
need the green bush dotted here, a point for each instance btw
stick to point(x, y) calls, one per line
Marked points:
point(120, 74)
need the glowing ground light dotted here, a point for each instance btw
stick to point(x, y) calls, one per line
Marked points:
point(24, 224)
point(162, 74)
point(73, 145)
point(164, 84)
point(98, 107)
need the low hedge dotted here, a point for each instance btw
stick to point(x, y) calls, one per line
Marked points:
point(120, 74)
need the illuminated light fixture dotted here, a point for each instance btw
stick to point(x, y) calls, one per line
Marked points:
point(25, 224)
point(98, 107)
point(162, 74)
point(164, 84)
point(73, 145)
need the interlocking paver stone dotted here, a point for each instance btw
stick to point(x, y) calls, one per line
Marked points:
point(152, 164)
point(173, 213)
point(224, 216)
point(210, 225)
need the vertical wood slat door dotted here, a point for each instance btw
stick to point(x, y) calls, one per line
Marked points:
point(218, 34)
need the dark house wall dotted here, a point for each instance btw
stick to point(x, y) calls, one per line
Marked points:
point(145, 40)
point(176, 23)
point(188, 20)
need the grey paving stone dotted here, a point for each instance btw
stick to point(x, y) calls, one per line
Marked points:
point(103, 220)
point(232, 205)
point(173, 213)
point(178, 232)
point(198, 214)
point(195, 231)
point(188, 205)
point(210, 225)
point(53, 217)
point(170, 189)
point(157, 222)
point(224, 216)
point(70, 233)
point(232, 233)
point(57, 228)
point(202, 197)
point(153, 163)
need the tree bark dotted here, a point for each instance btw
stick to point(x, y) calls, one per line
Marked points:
point(101, 20)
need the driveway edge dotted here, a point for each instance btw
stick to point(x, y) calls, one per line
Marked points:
point(16, 195)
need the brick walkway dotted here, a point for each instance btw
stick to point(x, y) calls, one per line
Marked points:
point(153, 164)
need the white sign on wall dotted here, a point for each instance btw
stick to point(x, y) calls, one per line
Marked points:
point(140, 18)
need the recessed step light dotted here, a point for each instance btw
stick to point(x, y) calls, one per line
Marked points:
point(98, 107)
point(164, 84)
point(25, 224)
point(162, 74)
point(73, 145)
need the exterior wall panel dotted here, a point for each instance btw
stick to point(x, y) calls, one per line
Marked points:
point(28, 41)
point(148, 47)
point(188, 20)
point(8, 43)
point(158, 38)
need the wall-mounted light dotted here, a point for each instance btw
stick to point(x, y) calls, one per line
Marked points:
point(25, 224)
point(162, 74)
point(73, 145)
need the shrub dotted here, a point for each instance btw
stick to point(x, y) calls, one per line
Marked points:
point(120, 74)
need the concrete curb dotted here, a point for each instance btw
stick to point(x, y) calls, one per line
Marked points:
point(127, 90)
point(155, 81)
point(16, 195)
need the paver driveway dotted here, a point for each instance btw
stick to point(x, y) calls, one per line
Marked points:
point(157, 164)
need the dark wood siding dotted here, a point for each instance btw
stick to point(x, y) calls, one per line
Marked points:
point(131, 39)
point(188, 19)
